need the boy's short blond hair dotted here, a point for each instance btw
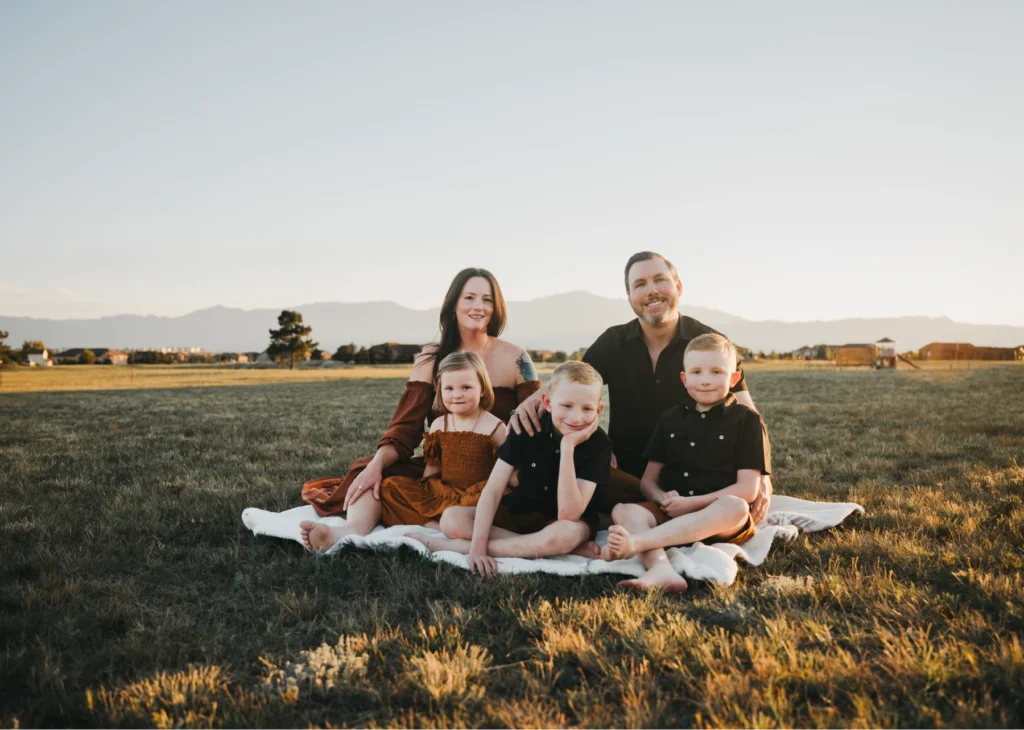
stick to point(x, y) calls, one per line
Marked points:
point(574, 371)
point(464, 361)
point(712, 342)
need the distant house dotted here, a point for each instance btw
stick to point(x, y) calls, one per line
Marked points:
point(542, 355)
point(264, 357)
point(104, 356)
point(856, 354)
point(967, 351)
point(38, 358)
point(231, 357)
point(803, 353)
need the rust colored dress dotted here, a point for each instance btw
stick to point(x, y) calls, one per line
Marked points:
point(466, 459)
point(403, 434)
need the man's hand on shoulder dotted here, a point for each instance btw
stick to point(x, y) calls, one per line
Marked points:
point(527, 415)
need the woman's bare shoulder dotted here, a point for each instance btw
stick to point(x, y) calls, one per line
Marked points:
point(519, 361)
point(423, 364)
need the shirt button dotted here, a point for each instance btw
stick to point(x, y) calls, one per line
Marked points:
point(703, 415)
point(534, 465)
point(671, 435)
point(721, 438)
point(686, 474)
point(692, 443)
point(556, 451)
point(545, 489)
point(691, 492)
point(658, 381)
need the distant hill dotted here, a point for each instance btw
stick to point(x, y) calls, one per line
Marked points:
point(559, 322)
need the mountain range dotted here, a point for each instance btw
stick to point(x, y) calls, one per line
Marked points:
point(559, 322)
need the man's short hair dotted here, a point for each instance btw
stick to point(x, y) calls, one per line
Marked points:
point(574, 371)
point(648, 256)
point(712, 342)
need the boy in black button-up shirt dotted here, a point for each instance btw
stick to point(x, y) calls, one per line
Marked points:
point(561, 468)
point(705, 460)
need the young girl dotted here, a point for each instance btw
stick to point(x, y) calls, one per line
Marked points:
point(459, 451)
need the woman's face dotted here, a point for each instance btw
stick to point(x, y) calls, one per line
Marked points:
point(461, 391)
point(475, 306)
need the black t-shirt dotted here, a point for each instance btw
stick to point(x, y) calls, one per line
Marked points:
point(538, 460)
point(702, 452)
point(638, 393)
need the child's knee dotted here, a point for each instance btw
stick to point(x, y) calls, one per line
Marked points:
point(733, 506)
point(457, 522)
point(624, 511)
point(568, 535)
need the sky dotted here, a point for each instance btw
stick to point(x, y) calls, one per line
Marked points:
point(796, 160)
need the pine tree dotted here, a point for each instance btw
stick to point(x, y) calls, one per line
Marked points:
point(288, 341)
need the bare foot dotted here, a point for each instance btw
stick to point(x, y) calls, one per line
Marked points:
point(667, 581)
point(318, 536)
point(434, 544)
point(589, 549)
point(619, 545)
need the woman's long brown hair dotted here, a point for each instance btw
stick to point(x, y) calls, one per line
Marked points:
point(451, 341)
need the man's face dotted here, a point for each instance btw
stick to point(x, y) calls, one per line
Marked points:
point(708, 376)
point(653, 291)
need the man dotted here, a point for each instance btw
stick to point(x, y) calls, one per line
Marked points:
point(640, 361)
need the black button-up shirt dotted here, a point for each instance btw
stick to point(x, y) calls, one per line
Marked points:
point(702, 451)
point(638, 392)
point(538, 460)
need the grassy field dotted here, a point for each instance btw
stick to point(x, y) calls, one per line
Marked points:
point(132, 595)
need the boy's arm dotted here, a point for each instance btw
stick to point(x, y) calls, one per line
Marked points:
point(649, 482)
point(490, 497)
point(746, 488)
point(573, 494)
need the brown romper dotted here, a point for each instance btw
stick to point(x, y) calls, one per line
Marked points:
point(403, 434)
point(466, 459)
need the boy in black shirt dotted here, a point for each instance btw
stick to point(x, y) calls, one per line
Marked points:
point(704, 465)
point(561, 468)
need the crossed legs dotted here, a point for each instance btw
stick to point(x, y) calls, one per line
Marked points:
point(558, 538)
point(636, 532)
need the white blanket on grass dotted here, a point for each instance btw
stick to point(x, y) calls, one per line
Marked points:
point(715, 562)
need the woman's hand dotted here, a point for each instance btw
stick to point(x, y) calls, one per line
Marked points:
point(368, 482)
point(483, 565)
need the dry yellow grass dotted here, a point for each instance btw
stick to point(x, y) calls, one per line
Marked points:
point(106, 377)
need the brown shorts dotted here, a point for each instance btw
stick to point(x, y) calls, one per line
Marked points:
point(739, 537)
point(525, 523)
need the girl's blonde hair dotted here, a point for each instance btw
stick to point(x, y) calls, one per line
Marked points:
point(464, 361)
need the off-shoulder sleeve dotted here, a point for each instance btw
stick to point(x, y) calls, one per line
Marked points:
point(406, 428)
point(525, 390)
point(432, 448)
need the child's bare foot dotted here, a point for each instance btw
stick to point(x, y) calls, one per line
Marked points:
point(435, 544)
point(317, 536)
point(589, 549)
point(658, 579)
point(619, 545)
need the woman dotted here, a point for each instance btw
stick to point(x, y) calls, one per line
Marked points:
point(472, 317)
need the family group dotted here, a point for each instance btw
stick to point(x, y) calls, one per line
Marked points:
point(511, 469)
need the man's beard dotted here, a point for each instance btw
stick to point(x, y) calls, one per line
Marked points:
point(671, 305)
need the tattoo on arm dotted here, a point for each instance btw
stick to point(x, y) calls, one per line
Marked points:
point(526, 368)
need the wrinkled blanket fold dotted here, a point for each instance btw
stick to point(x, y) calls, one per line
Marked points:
point(717, 562)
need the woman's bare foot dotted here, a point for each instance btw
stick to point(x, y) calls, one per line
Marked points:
point(435, 544)
point(589, 549)
point(318, 536)
point(662, 578)
point(619, 545)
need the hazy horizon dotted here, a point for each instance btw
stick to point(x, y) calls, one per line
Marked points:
point(798, 161)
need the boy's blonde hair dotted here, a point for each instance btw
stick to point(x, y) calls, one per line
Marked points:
point(464, 361)
point(712, 342)
point(574, 371)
